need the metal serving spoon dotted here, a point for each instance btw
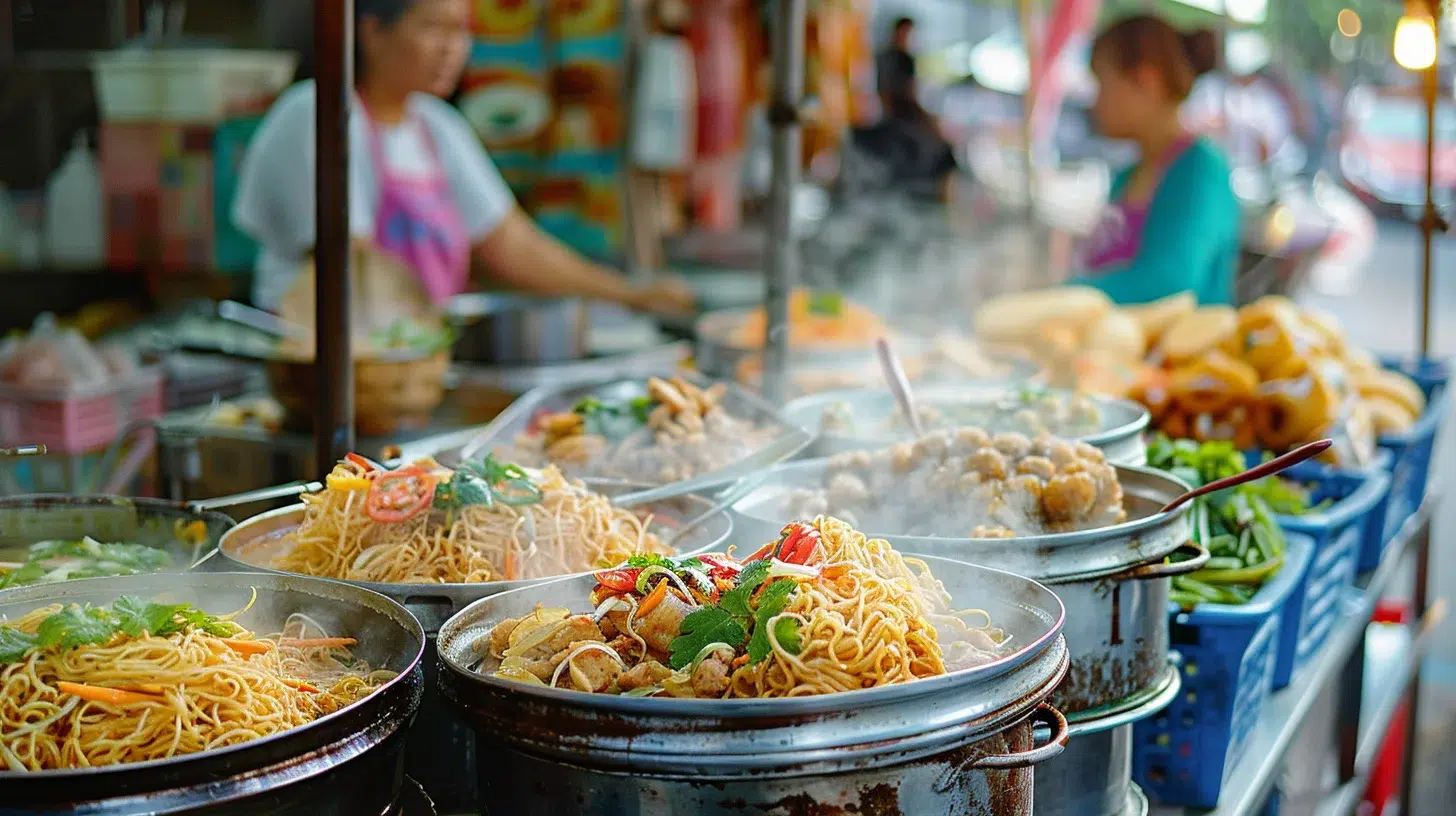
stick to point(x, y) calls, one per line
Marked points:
point(899, 385)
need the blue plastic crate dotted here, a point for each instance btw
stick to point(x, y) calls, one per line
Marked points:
point(1337, 534)
point(1411, 451)
point(1182, 756)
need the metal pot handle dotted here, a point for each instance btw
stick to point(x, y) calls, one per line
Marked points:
point(1051, 718)
point(263, 494)
point(1162, 569)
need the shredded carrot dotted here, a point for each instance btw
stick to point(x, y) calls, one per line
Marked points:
point(652, 600)
point(510, 563)
point(739, 661)
point(309, 643)
point(101, 694)
point(147, 688)
point(302, 686)
point(834, 571)
point(248, 647)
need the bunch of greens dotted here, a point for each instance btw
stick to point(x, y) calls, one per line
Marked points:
point(130, 616)
point(405, 334)
point(613, 420)
point(1237, 525)
point(741, 616)
point(487, 482)
point(48, 562)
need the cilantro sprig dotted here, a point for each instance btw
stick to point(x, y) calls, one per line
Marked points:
point(77, 625)
point(487, 482)
point(643, 560)
point(613, 419)
point(736, 618)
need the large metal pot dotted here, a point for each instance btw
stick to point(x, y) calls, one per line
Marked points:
point(1120, 436)
point(511, 329)
point(1093, 777)
point(956, 744)
point(441, 752)
point(344, 764)
point(1113, 580)
point(26, 520)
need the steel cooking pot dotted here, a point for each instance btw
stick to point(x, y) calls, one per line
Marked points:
point(1113, 581)
point(344, 764)
point(511, 329)
point(955, 744)
point(441, 750)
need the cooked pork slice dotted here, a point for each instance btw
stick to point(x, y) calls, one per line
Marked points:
point(574, 629)
point(664, 623)
point(710, 679)
point(592, 670)
point(642, 675)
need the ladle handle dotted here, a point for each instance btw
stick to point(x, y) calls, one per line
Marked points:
point(899, 385)
point(263, 494)
point(1255, 473)
point(1043, 715)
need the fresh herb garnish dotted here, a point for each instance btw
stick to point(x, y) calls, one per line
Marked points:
point(130, 616)
point(487, 482)
point(61, 560)
point(826, 303)
point(657, 560)
point(732, 618)
point(613, 420)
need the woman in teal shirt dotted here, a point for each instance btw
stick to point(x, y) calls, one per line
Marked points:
point(1173, 222)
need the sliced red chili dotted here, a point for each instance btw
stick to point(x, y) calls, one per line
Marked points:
point(798, 543)
point(622, 580)
point(400, 495)
point(763, 552)
point(367, 465)
point(720, 566)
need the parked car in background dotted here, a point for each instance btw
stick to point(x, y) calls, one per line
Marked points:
point(1383, 148)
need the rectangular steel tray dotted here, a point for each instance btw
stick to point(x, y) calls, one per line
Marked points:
point(447, 449)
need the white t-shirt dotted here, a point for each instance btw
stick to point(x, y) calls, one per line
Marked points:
point(275, 198)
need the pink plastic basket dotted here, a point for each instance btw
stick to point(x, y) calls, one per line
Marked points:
point(81, 420)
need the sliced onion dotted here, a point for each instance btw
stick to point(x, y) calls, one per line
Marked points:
point(702, 580)
point(656, 569)
point(645, 691)
point(611, 604)
point(539, 627)
point(704, 652)
point(585, 647)
point(783, 569)
point(519, 676)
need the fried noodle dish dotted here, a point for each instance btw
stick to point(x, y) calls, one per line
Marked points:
point(87, 687)
point(483, 522)
point(821, 610)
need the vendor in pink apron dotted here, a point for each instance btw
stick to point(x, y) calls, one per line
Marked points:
point(422, 189)
point(1172, 224)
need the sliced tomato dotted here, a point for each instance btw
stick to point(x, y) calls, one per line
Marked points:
point(400, 495)
point(622, 580)
point(798, 543)
point(720, 566)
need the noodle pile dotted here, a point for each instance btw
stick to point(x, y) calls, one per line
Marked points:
point(570, 529)
point(873, 625)
point(190, 691)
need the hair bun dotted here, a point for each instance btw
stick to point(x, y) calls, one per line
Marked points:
point(1201, 46)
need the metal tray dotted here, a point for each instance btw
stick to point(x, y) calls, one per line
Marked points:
point(503, 430)
point(1120, 438)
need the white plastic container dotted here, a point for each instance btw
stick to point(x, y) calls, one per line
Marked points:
point(663, 112)
point(200, 86)
point(75, 230)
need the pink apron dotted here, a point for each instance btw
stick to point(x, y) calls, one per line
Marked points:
point(417, 220)
point(1119, 233)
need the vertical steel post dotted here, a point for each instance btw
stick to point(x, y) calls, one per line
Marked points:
point(782, 272)
point(333, 42)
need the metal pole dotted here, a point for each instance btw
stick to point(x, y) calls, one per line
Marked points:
point(1430, 219)
point(782, 269)
point(1026, 10)
point(333, 42)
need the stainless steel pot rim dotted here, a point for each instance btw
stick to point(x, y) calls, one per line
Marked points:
point(768, 707)
point(483, 304)
point(1134, 707)
point(934, 394)
point(1050, 541)
point(458, 592)
point(893, 749)
point(59, 593)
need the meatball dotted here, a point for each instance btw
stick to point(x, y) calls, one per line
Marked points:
point(1014, 445)
point(1061, 452)
point(932, 446)
point(847, 489)
point(711, 677)
point(903, 458)
point(1091, 453)
point(1038, 466)
point(989, 463)
point(969, 440)
point(1069, 497)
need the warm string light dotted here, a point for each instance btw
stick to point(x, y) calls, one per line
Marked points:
point(1415, 38)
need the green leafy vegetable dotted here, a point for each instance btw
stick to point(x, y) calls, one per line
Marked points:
point(130, 616)
point(731, 620)
point(487, 482)
point(657, 560)
point(613, 420)
point(52, 561)
point(826, 303)
point(772, 601)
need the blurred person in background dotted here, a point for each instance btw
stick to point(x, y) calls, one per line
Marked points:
point(421, 186)
point(1172, 223)
point(908, 137)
